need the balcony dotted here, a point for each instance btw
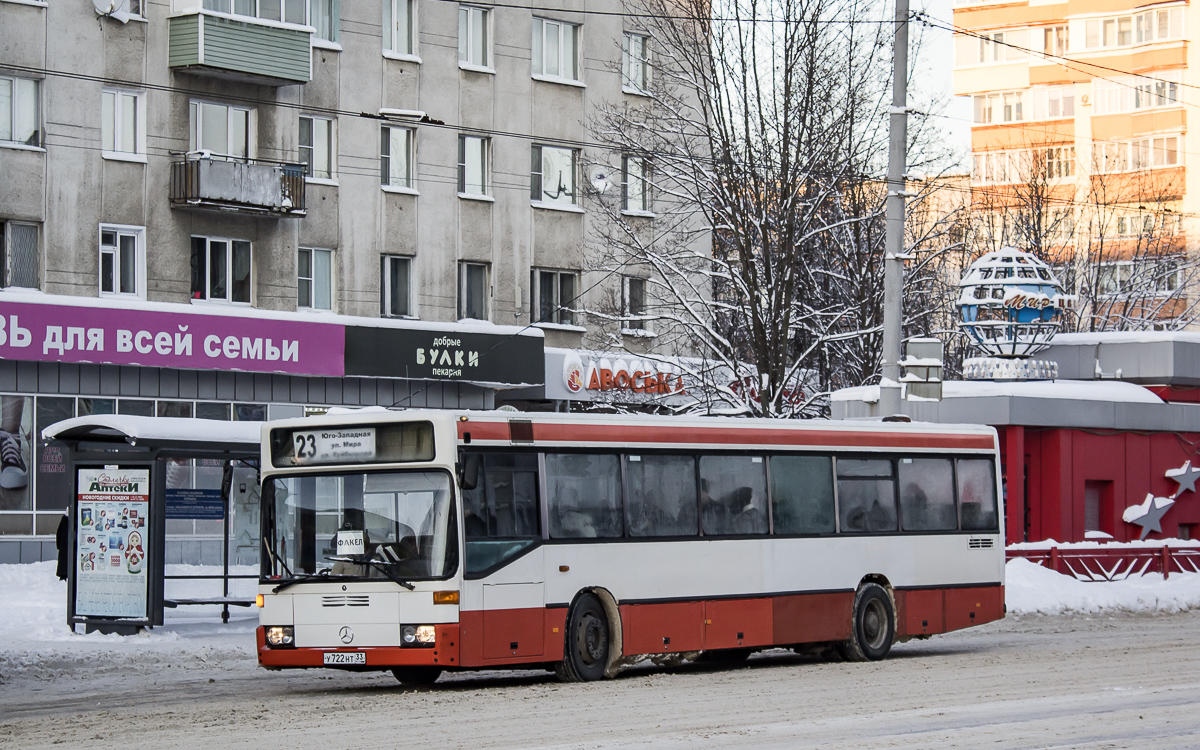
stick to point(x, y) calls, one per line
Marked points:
point(240, 49)
point(209, 182)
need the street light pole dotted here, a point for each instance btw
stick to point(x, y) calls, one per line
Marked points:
point(893, 259)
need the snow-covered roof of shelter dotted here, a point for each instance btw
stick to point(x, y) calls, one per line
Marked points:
point(156, 429)
point(1071, 404)
point(1148, 357)
point(1079, 390)
point(1125, 337)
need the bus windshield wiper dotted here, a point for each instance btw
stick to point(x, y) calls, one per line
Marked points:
point(377, 565)
point(323, 576)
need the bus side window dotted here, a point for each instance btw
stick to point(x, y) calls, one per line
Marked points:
point(733, 495)
point(504, 502)
point(866, 495)
point(927, 495)
point(977, 494)
point(661, 492)
point(584, 495)
point(802, 494)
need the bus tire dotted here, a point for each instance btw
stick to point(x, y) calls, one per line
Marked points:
point(417, 675)
point(586, 644)
point(872, 627)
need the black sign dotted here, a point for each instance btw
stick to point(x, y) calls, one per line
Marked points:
point(195, 504)
point(438, 355)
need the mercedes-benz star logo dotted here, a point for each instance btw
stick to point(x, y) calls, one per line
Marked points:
point(346, 634)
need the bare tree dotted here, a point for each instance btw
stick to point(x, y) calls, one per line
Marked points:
point(763, 124)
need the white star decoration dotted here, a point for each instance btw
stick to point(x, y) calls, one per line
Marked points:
point(1185, 476)
point(1148, 514)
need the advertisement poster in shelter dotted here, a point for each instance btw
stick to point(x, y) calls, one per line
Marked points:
point(113, 534)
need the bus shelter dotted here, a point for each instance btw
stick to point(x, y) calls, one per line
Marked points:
point(127, 476)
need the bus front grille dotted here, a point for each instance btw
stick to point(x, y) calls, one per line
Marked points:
point(346, 600)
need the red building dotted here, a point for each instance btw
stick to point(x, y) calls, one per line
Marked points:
point(1081, 452)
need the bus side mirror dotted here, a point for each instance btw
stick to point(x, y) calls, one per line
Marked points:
point(468, 471)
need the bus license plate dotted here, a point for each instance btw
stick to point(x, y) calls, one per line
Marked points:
point(345, 657)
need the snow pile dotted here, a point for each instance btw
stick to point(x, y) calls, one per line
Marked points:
point(1030, 588)
point(36, 642)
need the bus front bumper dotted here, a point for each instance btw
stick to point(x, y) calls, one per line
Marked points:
point(444, 653)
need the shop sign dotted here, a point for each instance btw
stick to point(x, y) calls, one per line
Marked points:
point(634, 376)
point(468, 356)
point(112, 540)
point(152, 338)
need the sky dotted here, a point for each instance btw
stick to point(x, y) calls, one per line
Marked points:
point(939, 45)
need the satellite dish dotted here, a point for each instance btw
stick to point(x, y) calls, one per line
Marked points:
point(118, 9)
point(601, 178)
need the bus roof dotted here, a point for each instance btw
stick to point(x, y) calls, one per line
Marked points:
point(549, 428)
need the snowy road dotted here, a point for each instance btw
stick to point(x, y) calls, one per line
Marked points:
point(1129, 680)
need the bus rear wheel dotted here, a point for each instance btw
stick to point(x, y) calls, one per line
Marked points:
point(873, 625)
point(585, 654)
point(417, 675)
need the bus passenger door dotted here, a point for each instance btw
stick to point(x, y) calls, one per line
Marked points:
point(513, 620)
point(514, 610)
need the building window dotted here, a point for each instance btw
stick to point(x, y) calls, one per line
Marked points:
point(473, 36)
point(20, 120)
point(121, 129)
point(395, 156)
point(635, 62)
point(1055, 40)
point(397, 272)
point(552, 177)
point(314, 279)
point(122, 260)
point(472, 165)
point(316, 146)
point(287, 11)
point(1142, 28)
point(323, 17)
point(635, 187)
point(19, 243)
point(1143, 153)
point(473, 291)
point(555, 49)
point(1132, 93)
point(221, 270)
point(555, 296)
point(634, 294)
point(992, 47)
point(221, 129)
point(398, 27)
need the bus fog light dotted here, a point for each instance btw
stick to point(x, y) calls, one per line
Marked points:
point(409, 633)
point(279, 636)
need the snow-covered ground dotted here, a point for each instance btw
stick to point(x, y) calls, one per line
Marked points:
point(34, 636)
point(33, 628)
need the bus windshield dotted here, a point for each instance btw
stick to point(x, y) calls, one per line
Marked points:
point(397, 525)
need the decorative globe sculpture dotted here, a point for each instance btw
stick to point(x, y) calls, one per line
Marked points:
point(1011, 304)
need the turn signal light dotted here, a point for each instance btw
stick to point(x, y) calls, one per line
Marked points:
point(258, 600)
point(445, 597)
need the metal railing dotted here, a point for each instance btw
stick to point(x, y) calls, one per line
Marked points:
point(203, 179)
point(1113, 562)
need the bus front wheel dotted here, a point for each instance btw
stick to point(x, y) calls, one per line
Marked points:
point(585, 654)
point(872, 627)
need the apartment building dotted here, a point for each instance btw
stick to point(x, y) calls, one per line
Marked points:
point(246, 209)
point(1080, 114)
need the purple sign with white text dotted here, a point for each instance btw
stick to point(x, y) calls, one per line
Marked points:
point(150, 338)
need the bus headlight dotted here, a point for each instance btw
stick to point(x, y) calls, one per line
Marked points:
point(419, 636)
point(281, 636)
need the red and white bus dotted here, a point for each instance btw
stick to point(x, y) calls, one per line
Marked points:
point(424, 541)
